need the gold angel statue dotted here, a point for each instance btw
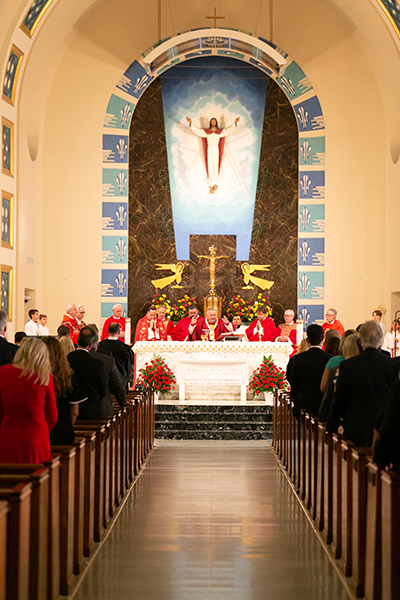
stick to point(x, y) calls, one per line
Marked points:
point(164, 281)
point(247, 269)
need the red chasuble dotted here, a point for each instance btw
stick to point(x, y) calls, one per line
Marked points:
point(219, 329)
point(268, 328)
point(107, 322)
point(180, 332)
point(142, 330)
point(73, 327)
point(335, 325)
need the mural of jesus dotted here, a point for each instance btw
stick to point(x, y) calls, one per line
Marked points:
point(213, 140)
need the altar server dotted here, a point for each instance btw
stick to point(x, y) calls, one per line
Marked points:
point(185, 329)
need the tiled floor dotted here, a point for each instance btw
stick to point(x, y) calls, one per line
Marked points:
point(212, 521)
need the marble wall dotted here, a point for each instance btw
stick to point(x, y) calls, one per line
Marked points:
point(151, 233)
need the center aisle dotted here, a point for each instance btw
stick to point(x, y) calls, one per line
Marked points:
point(212, 521)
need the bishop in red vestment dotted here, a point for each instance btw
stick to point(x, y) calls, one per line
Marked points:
point(150, 328)
point(214, 326)
point(116, 317)
point(262, 328)
point(69, 320)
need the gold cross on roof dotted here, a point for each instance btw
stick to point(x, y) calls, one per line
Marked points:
point(215, 18)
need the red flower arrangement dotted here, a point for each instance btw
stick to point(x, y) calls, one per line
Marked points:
point(157, 375)
point(267, 377)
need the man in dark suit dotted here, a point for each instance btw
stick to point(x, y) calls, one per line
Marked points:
point(307, 371)
point(113, 381)
point(362, 388)
point(122, 353)
point(89, 376)
point(7, 350)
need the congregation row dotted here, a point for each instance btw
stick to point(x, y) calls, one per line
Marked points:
point(47, 383)
point(350, 383)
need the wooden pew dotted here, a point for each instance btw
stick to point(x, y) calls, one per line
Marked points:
point(275, 419)
point(314, 456)
point(373, 556)
point(337, 463)
point(53, 576)
point(67, 523)
point(359, 495)
point(4, 509)
point(18, 539)
point(322, 495)
point(302, 454)
point(390, 535)
point(88, 506)
point(347, 508)
point(79, 562)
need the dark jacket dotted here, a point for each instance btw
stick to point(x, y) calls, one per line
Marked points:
point(123, 356)
point(307, 371)
point(7, 352)
point(113, 383)
point(90, 383)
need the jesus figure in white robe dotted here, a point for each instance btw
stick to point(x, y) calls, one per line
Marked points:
point(213, 148)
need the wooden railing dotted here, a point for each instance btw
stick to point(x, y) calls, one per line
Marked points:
point(355, 505)
point(52, 516)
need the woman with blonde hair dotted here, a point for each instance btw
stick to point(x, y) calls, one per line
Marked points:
point(63, 431)
point(67, 345)
point(28, 409)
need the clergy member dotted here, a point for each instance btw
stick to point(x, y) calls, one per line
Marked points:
point(286, 332)
point(262, 328)
point(236, 326)
point(150, 328)
point(69, 320)
point(80, 313)
point(184, 329)
point(161, 313)
point(332, 322)
point(116, 317)
point(215, 327)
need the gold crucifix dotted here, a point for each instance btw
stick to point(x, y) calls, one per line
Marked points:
point(215, 18)
point(212, 258)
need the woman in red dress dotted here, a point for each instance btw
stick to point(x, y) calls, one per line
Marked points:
point(28, 408)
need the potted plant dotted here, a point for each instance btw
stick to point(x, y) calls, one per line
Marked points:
point(266, 378)
point(157, 375)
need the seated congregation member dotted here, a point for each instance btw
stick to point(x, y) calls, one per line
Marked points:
point(89, 376)
point(113, 381)
point(67, 407)
point(332, 322)
point(387, 446)
point(18, 337)
point(43, 329)
point(7, 350)
point(162, 315)
point(150, 328)
point(69, 320)
point(32, 326)
point(215, 327)
point(28, 409)
point(349, 348)
point(286, 332)
point(122, 354)
point(262, 329)
point(116, 317)
point(307, 373)
point(391, 341)
point(362, 388)
point(191, 325)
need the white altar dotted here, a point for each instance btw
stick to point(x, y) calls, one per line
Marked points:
point(212, 363)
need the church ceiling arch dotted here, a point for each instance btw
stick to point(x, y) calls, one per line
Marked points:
point(311, 127)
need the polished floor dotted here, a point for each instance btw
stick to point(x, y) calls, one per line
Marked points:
point(212, 521)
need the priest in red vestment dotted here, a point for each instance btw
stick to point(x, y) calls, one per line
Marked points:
point(215, 327)
point(185, 328)
point(150, 328)
point(116, 317)
point(70, 321)
point(286, 331)
point(332, 322)
point(262, 328)
point(161, 313)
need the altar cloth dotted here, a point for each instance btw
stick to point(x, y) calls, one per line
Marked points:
point(215, 364)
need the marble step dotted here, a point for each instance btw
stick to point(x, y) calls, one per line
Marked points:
point(210, 417)
point(207, 426)
point(207, 393)
point(220, 409)
point(215, 435)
